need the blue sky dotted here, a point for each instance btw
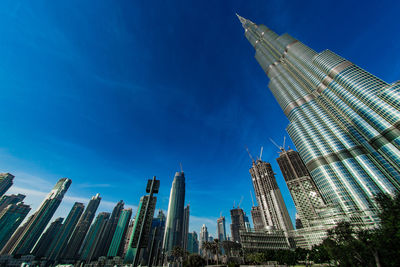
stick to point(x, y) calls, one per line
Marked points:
point(110, 93)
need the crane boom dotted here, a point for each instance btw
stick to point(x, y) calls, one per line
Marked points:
point(247, 149)
point(261, 152)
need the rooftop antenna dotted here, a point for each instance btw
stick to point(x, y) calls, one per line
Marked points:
point(261, 152)
point(252, 201)
point(180, 164)
point(234, 204)
point(247, 149)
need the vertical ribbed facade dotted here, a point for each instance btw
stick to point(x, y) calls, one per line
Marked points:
point(47, 237)
point(256, 215)
point(116, 246)
point(344, 122)
point(203, 236)
point(6, 181)
point(221, 230)
point(75, 242)
point(10, 218)
point(269, 197)
point(305, 195)
point(185, 228)
point(34, 227)
point(174, 226)
point(61, 239)
point(108, 233)
point(93, 237)
point(12, 199)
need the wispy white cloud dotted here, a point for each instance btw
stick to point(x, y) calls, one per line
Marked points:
point(89, 185)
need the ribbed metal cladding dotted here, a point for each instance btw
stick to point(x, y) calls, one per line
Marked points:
point(344, 121)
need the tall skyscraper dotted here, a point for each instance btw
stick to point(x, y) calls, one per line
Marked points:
point(108, 233)
point(34, 227)
point(203, 236)
point(256, 215)
point(238, 223)
point(117, 243)
point(174, 227)
point(6, 181)
point(343, 120)
point(127, 237)
point(153, 253)
point(7, 200)
point(186, 216)
point(221, 231)
point(10, 218)
point(142, 226)
point(193, 243)
point(93, 237)
point(61, 238)
point(47, 237)
point(269, 197)
point(75, 242)
point(306, 196)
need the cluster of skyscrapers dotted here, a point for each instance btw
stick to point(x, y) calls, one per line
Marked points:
point(345, 123)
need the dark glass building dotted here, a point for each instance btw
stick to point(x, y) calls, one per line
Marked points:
point(6, 181)
point(61, 239)
point(12, 199)
point(117, 243)
point(47, 237)
point(35, 226)
point(10, 218)
point(75, 242)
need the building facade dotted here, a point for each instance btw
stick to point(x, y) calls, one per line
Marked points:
point(108, 233)
point(117, 243)
point(344, 121)
point(47, 237)
point(174, 227)
point(10, 218)
point(185, 228)
point(269, 198)
point(257, 218)
point(221, 230)
point(238, 223)
point(6, 181)
point(12, 199)
point(61, 239)
point(75, 242)
point(193, 243)
point(35, 226)
point(203, 236)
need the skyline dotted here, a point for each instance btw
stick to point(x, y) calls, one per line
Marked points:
point(61, 161)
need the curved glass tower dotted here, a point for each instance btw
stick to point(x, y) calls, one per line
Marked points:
point(344, 122)
point(174, 226)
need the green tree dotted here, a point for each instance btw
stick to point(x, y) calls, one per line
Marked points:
point(178, 253)
point(195, 260)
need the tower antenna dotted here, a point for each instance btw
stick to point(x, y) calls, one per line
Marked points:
point(247, 149)
point(180, 164)
point(252, 201)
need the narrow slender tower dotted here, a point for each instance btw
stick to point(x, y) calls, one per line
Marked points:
point(344, 122)
point(174, 226)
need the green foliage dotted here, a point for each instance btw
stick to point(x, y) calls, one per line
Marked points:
point(195, 260)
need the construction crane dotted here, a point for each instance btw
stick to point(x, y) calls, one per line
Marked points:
point(247, 149)
point(252, 201)
point(241, 199)
point(261, 152)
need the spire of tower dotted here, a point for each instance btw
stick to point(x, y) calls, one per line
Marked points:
point(243, 20)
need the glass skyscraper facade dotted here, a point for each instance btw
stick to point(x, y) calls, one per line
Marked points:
point(10, 218)
point(221, 230)
point(174, 226)
point(344, 122)
point(35, 226)
point(117, 243)
point(61, 238)
point(6, 181)
point(12, 199)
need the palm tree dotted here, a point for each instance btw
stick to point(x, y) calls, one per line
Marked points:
point(215, 249)
point(177, 253)
point(207, 247)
